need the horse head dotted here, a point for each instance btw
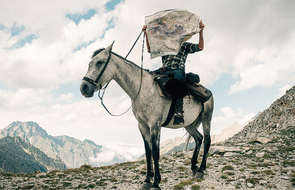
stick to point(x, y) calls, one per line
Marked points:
point(96, 76)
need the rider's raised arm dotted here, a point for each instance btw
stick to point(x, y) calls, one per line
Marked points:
point(146, 37)
point(192, 47)
point(201, 39)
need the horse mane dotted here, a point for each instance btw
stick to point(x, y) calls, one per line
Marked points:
point(97, 52)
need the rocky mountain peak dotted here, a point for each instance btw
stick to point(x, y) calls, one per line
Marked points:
point(25, 130)
point(87, 141)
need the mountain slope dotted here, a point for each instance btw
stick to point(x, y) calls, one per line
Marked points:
point(280, 115)
point(19, 157)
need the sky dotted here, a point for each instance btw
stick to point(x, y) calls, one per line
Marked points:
point(248, 61)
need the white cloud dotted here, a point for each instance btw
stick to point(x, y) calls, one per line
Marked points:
point(234, 37)
point(253, 41)
point(22, 99)
point(49, 60)
point(282, 90)
point(265, 67)
point(45, 18)
point(228, 116)
point(124, 152)
point(67, 97)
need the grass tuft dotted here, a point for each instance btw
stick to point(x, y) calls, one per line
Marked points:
point(228, 167)
point(195, 187)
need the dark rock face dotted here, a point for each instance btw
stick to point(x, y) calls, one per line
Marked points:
point(15, 150)
point(15, 157)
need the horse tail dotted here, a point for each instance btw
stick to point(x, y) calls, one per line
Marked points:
point(187, 141)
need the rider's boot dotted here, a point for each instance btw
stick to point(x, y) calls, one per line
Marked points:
point(178, 118)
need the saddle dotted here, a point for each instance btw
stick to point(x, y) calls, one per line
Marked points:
point(190, 87)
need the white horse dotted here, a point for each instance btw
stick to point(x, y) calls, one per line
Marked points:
point(149, 108)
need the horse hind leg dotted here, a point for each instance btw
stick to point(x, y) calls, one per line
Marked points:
point(198, 137)
point(207, 143)
point(206, 123)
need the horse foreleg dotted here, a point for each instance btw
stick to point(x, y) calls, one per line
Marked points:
point(198, 137)
point(155, 140)
point(148, 153)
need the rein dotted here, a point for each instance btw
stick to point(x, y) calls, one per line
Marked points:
point(101, 91)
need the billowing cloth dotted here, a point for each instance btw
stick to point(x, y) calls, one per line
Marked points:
point(168, 29)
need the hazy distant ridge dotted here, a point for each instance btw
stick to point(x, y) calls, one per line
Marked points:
point(69, 150)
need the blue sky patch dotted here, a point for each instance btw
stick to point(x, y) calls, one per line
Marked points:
point(111, 25)
point(83, 45)
point(16, 29)
point(260, 97)
point(78, 17)
point(2, 27)
point(72, 87)
point(26, 40)
point(110, 5)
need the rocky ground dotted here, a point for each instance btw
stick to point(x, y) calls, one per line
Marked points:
point(263, 163)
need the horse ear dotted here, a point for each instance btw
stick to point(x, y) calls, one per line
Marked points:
point(109, 48)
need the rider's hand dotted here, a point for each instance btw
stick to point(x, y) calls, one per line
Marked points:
point(201, 25)
point(144, 28)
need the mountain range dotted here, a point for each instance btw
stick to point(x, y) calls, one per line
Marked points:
point(71, 151)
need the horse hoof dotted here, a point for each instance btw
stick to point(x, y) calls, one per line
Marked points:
point(146, 186)
point(155, 188)
point(200, 174)
point(195, 170)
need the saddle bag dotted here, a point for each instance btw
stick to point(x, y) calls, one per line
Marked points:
point(192, 78)
point(199, 92)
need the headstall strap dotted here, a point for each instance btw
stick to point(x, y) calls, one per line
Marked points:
point(101, 94)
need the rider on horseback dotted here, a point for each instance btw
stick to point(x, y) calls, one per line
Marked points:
point(175, 65)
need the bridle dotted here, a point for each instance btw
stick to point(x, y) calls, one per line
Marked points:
point(101, 90)
point(95, 82)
